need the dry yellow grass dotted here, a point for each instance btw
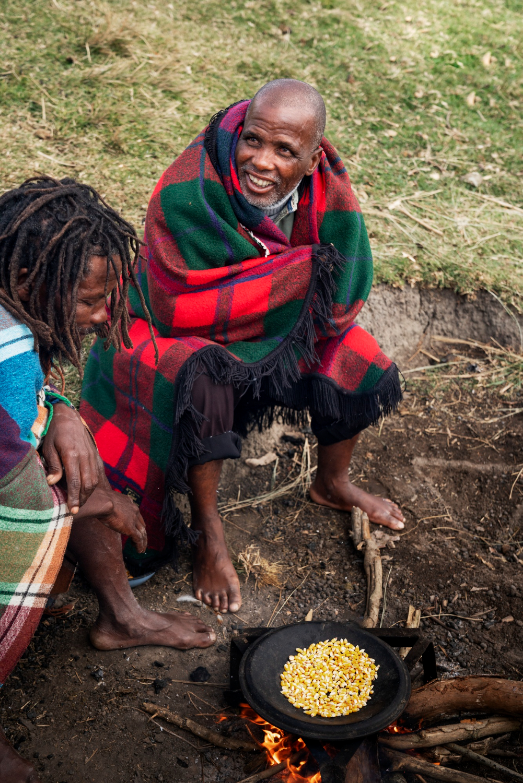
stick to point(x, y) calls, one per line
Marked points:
point(265, 573)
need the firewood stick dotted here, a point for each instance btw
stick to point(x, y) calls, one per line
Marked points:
point(357, 535)
point(475, 692)
point(365, 526)
point(219, 740)
point(455, 732)
point(374, 573)
point(400, 762)
point(413, 621)
point(268, 773)
point(488, 745)
point(469, 754)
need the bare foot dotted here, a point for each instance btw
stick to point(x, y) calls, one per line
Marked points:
point(340, 493)
point(13, 768)
point(215, 581)
point(170, 629)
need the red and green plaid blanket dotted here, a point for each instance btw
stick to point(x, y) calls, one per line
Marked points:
point(228, 291)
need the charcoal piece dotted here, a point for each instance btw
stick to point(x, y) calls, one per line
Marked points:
point(181, 762)
point(98, 675)
point(201, 674)
point(159, 685)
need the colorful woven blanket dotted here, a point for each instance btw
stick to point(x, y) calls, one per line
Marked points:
point(230, 293)
point(34, 520)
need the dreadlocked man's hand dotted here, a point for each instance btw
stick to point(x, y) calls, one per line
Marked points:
point(68, 449)
point(117, 512)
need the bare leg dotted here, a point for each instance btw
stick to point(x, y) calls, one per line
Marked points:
point(121, 621)
point(332, 487)
point(13, 768)
point(214, 579)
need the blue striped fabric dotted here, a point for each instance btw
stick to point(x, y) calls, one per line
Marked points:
point(21, 376)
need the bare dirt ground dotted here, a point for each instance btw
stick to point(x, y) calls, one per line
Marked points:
point(76, 711)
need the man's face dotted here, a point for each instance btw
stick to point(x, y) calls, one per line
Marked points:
point(92, 292)
point(276, 149)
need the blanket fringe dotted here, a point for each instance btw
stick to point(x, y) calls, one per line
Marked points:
point(276, 377)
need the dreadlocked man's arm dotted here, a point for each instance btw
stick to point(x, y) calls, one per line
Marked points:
point(69, 449)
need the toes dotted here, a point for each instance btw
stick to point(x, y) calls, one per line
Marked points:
point(206, 639)
point(393, 523)
point(235, 601)
point(395, 511)
point(224, 601)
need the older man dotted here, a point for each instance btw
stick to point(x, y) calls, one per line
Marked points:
point(258, 263)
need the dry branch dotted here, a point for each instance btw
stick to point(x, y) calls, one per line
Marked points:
point(413, 621)
point(373, 542)
point(492, 469)
point(268, 773)
point(455, 732)
point(357, 535)
point(469, 754)
point(229, 743)
point(400, 762)
point(373, 572)
point(486, 694)
point(420, 222)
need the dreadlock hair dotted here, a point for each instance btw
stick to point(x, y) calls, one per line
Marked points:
point(52, 228)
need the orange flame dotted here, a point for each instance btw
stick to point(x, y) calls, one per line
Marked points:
point(395, 728)
point(280, 746)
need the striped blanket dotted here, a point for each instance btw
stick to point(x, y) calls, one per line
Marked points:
point(34, 521)
point(230, 293)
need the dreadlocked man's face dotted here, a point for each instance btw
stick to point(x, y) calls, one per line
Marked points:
point(93, 291)
point(91, 313)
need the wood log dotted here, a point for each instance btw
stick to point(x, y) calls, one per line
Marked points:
point(229, 743)
point(441, 755)
point(400, 762)
point(469, 754)
point(487, 745)
point(364, 766)
point(455, 732)
point(482, 693)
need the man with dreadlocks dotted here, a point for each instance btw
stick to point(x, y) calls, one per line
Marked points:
point(258, 263)
point(64, 254)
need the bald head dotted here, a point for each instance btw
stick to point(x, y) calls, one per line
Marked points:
point(279, 142)
point(297, 96)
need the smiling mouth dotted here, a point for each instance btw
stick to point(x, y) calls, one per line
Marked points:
point(259, 184)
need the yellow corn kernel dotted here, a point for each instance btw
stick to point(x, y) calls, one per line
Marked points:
point(329, 678)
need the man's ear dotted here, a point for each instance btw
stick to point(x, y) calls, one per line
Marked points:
point(24, 292)
point(315, 159)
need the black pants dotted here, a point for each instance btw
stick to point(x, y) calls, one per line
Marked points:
point(218, 403)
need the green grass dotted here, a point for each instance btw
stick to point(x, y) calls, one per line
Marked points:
point(418, 95)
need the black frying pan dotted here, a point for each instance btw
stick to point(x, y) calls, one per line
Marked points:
point(263, 662)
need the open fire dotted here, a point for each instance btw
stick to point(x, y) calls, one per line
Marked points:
point(280, 747)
